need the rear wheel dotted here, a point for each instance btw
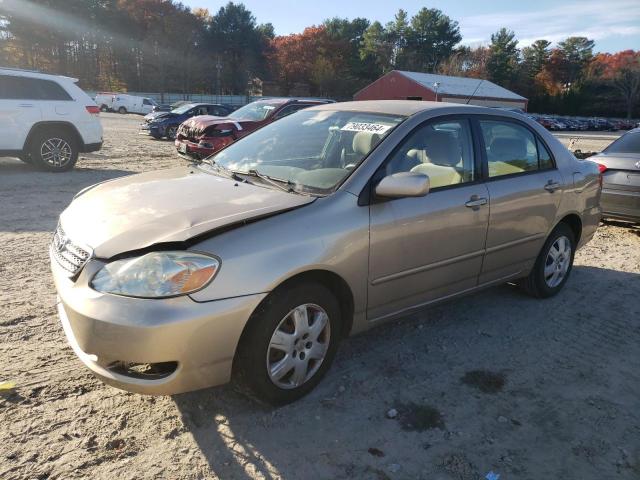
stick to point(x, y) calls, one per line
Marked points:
point(122, 110)
point(553, 265)
point(289, 344)
point(54, 150)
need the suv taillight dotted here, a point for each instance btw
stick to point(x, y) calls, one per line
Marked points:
point(93, 110)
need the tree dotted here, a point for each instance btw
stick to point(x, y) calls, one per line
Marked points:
point(504, 57)
point(431, 38)
point(377, 48)
point(466, 62)
point(622, 71)
point(535, 57)
point(397, 32)
point(577, 53)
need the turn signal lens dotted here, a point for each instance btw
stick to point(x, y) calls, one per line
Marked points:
point(602, 168)
point(93, 110)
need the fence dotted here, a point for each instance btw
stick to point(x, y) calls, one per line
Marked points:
point(235, 100)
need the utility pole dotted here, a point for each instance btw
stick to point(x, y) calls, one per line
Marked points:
point(436, 85)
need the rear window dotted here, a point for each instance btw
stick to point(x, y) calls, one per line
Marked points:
point(26, 88)
point(628, 143)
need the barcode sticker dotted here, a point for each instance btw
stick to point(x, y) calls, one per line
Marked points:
point(365, 127)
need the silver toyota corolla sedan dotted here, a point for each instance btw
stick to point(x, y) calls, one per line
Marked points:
point(254, 264)
point(620, 167)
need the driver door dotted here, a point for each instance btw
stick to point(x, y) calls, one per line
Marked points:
point(425, 248)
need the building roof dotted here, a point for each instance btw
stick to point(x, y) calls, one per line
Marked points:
point(461, 86)
point(395, 107)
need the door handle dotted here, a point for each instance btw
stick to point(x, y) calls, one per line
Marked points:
point(551, 186)
point(475, 201)
point(26, 104)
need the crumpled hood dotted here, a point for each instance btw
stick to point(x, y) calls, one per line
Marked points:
point(202, 122)
point(173, 205)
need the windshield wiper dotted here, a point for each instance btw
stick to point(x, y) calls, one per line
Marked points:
point(276, 182)
point(223, 170)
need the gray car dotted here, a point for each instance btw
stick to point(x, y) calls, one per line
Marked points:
point(254, 264)
point(620, 167)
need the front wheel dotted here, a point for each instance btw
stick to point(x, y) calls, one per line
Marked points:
point(553, 265)
point(171, 132)
point(289, 344)
point(122, 110)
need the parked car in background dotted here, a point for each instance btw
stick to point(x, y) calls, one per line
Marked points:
point(166, 107)
point(165, 124)
point(202, 136)
point(253, 265)
point(47, 120)
point(123, 103)
point(104, 100)
point(620, 167)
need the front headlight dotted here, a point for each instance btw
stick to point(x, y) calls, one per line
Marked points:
point(156, 275)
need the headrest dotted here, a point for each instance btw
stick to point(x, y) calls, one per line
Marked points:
point(442, 148)
point(508, 148)
point(363, 142)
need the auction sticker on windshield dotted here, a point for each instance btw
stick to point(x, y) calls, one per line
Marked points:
point(365, 127)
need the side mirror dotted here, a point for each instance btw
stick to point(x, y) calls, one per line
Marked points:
point(403, 184)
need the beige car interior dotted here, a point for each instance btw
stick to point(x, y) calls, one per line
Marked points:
point(507, 155)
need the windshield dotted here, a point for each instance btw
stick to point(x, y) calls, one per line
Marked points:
point(255, 111)
point(628, 143)
point(183, 108)
point(313, 151)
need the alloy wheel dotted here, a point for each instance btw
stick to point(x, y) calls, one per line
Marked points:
point(56, 152)
point(298, 346)
point(557, 262)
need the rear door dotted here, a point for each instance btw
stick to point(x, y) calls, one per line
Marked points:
point(524, 190)
point(18, 111)
point(424, 248)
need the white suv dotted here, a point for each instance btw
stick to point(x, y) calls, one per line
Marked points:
point(46, 120)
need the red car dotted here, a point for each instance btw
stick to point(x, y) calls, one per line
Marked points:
point(205, 135)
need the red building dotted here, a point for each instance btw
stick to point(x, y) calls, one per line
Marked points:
point(401, 85)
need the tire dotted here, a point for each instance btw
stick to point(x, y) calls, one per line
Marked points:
point(171, 132)
point(551, 270)
point(297, 372)
point(122, 110)
point(54, 150)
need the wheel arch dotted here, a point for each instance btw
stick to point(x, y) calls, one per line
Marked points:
point(574, 222)
point(330, 280)
point(42, 126)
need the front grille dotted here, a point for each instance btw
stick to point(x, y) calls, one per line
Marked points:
point(70, 256)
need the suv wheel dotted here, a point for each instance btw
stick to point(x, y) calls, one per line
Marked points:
point(122, 110)
point(289, 344)
point(54, 150)
point(553, 265)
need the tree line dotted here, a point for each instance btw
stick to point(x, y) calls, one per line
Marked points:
point(163, 46)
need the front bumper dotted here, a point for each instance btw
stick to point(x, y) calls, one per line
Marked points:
point(108, 331)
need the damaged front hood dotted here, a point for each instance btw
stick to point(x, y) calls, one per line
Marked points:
point(166, 206)
point(201, 123)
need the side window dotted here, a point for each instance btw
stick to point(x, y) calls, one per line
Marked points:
point(218, 111)
point(512, 148)
point(146, 102)
point(544, 157)
point(25, 88)
point(442, 150)
point(289, 110)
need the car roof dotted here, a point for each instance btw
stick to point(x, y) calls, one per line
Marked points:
point(399, 107)
point(34, 74)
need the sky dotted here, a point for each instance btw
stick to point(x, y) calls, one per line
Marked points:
point(613, 24)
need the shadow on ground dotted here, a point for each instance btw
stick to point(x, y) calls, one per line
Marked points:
point(563, 362)
point(25, 190)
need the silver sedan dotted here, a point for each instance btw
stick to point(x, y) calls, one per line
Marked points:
point(255, 263)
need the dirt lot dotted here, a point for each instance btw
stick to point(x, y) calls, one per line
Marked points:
point(495, 382)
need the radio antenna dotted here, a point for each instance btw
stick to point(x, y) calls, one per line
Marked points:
point(474, 92)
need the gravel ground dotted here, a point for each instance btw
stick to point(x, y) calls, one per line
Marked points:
point(495, 381)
